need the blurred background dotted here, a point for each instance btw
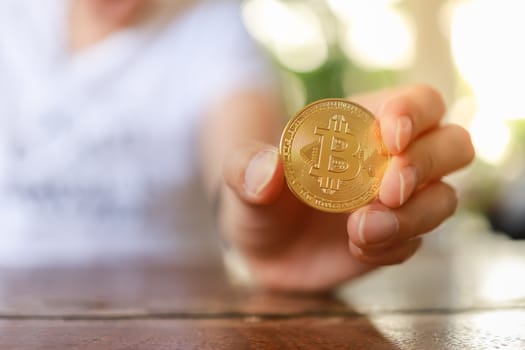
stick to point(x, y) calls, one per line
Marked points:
point(470, 50)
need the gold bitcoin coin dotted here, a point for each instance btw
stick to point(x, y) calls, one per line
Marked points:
point(333, 155)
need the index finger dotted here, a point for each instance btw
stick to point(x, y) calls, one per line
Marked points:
point(404, 113)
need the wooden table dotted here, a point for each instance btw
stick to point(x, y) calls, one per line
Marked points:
point(465, 290)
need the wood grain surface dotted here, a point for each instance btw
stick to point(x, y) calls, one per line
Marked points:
point(465, 290)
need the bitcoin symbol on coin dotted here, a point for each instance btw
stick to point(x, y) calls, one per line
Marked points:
point(332, 169)
point(333, 155)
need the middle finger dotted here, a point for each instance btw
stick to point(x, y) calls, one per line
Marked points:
point(430, 157)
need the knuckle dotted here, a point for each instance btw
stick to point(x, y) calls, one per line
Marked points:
point(411, 226)
point(423, 159)
point(410, 252)
point(404, 257)
point(415, 101)
point(400, 259)
point(462, 141)
point(451, 199)
point(425, 167)
point(433, 95)
point(395, 259)
point(429, 90)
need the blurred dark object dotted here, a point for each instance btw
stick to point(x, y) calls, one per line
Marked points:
point(507, 213)
point(511, 224)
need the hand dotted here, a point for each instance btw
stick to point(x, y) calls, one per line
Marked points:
point(290, 246)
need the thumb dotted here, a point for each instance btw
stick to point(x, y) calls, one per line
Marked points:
point(255, 173)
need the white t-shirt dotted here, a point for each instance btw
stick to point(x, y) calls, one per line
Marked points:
point(98, 147)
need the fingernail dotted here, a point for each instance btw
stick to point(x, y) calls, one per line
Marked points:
point(260, 171)
point(403, 132)
point(377, 226)
point(407, 183)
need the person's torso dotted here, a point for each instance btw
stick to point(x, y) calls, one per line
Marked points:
point(107, 137)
